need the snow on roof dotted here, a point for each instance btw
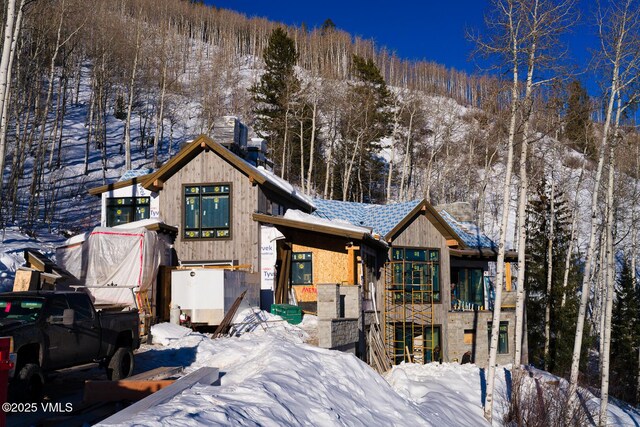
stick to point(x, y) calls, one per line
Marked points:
point(282, 184)
point(469, 232)
point(296, 215)
point(134, 173)
point(381, 218)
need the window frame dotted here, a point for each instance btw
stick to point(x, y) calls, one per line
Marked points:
point(183, 212)
point(134, 205)
point(310, 262)
point(504, 324)
point(429, 262)
point(455, 278)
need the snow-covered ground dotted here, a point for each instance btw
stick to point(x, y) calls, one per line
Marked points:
point(271, 377)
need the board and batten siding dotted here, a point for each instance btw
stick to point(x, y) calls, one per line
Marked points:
point(208, 168)
point(421, 233)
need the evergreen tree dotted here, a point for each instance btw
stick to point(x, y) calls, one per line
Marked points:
point(624, 338)
point(577, 121)
point(562, 319)
point(366, 120)
point(327, 26)
point(275, 97)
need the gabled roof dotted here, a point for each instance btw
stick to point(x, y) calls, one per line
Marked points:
point(469, 232)
point(387, 220)
point(258, 175)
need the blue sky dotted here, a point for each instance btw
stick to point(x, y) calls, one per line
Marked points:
point(429, 29)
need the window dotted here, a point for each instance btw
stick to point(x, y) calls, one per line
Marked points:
point(301, 272)
point(57, 306)
point(421, 341)
point(81, 305)
point(467, 288)
point(503, 337)
point(470, 336)
point(123, 210)
point(417, 273)
point(207, 211)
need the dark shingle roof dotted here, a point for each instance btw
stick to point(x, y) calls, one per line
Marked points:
point(469, 232)
point(381, 218)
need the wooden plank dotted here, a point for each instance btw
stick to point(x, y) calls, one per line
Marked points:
point(113, 391)
point(160, 373)
point(204, 376)
point(223, 328)
point(26, 280)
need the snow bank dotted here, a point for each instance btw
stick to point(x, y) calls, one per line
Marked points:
point(165, 333)
point(272, 380)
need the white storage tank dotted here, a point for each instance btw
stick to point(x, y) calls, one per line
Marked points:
point(207, 294)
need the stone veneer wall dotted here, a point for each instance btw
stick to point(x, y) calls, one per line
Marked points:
point(459, 321)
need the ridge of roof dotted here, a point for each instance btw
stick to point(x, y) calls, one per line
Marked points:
point(153, 181)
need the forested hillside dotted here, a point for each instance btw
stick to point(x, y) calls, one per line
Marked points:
point(92, 89)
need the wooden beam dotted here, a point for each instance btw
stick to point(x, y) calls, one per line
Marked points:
point(352, 265)
point(204, 376)
point(161, 373)
point(157, 184)
point(113, 391)
point(452, 243)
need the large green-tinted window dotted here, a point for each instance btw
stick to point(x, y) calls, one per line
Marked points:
point(467, 286)
point(422, 342)
point(207, 211)
point(416, 270)
point(301, 268)
point(123, 210)
point(503, 337)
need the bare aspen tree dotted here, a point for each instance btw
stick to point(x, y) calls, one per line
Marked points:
point(315, 101)
point(5, 77)
point(506, 26)
point(544, 21)
point(547, 308)
point(609, 284)
point(132, 81)
point(572, 234)
point(619, 28)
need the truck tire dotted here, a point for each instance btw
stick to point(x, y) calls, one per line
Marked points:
point(121, 364)
point(29, 383)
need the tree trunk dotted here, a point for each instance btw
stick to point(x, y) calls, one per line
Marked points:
point(157, 139)
point(547, 308)
point(312, 147)
point(572, 234)
point(127, 123)
point(586, 281)
point(8, 48)
point(506, 194)
point(610, 289)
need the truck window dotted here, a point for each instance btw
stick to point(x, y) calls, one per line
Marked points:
point(81, 305)
point(57, 305)
point(20, 308)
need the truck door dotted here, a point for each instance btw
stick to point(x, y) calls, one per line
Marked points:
point(59, 340)
point(86, 328)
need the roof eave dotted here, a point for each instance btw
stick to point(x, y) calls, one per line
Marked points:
point(97, 191)
point(317, 228)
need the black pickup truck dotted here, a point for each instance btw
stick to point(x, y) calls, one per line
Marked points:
point(54, 330)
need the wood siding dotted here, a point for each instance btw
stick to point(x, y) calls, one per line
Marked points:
point(244, 244)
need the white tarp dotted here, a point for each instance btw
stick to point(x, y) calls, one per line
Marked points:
point(115, 259)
